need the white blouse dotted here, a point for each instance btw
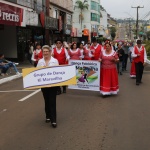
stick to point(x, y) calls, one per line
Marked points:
point(52, 62)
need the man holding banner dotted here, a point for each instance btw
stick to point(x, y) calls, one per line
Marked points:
point(49, 93)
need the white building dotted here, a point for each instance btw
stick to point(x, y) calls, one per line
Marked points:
point(103, 30)
point(91, 19)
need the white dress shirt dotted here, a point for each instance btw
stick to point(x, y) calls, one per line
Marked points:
point(52, 62)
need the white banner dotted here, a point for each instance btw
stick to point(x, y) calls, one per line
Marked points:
point(47, 77)
point(87, 75)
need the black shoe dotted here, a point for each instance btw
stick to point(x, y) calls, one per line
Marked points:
point(58, 92)
point(137, 83)
point(64, 91)
point(54, 124)
point(47, 120)
point(120, 73)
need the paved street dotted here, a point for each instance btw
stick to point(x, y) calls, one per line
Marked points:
point(86, 121)
point(121, 32)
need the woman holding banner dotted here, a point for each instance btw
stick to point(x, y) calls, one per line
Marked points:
point(108, 75)
point(87, 52)
point(74, 52)
point(49, 93)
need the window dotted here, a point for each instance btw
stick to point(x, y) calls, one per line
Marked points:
point(27, 3)
point(95, 17)
point(95, 6)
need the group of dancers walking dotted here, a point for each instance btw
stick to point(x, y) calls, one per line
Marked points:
point(109, 57)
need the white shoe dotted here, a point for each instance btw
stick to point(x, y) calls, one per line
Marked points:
point(16, 63)
point(17, 73)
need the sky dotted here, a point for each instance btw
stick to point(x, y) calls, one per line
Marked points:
point(122, 8)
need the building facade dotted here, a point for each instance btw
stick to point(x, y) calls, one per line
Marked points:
point(90, 21)
point(61, 11)
point(103, 30)
point(21, 22)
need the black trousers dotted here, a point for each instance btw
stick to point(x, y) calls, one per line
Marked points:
point(49, 95)
point(139, 71)
point(125, 60)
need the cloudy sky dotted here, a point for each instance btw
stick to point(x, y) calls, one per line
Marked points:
point(122, 8)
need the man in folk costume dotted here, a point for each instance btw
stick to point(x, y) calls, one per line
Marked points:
point(96, 49)
point(37, 54)
point(61, 54)
point(139, 56)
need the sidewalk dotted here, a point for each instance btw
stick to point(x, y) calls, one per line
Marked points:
point(12, 75)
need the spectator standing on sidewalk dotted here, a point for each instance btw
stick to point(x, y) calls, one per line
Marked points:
point(140, 57)
point(31, 49)
point(37, 55)
point(49, 93)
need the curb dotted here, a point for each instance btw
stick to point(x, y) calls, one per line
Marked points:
point(4, 80)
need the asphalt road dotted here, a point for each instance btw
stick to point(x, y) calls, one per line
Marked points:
point(121, 32)
point(86, 121)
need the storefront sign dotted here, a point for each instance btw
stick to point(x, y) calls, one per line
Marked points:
point(86, 32)
point(87, 75)
point(51, 23)
point(48, 77)
point(31, 18)
point(10, 15)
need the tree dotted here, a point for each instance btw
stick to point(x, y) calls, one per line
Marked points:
point(113, 32)
point(82, 6)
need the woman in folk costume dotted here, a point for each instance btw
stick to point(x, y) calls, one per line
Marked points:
point(96, 49)
point(132, 69)
point(108, 75)
point(108, 41)
point(37, 55)
point(74, 52)
point(87, 52)
point(81, 48)
point(61, 54)
point(140, 58)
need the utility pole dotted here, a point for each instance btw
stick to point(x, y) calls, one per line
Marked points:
point(137, 21)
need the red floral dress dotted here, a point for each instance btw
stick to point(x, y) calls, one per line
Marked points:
point(74, 55)
point(108, 76)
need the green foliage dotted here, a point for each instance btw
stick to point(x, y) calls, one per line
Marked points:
point(147, 46)
point(81, 5)
point(148, 34)
point(112, 29)
point(113, 35)
point(113, 32)
point(101, 39)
